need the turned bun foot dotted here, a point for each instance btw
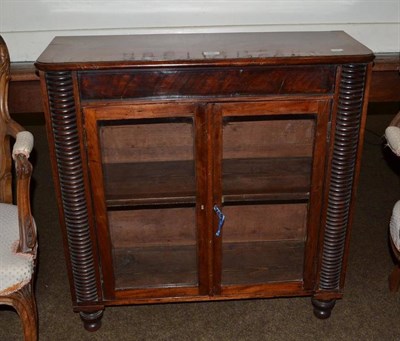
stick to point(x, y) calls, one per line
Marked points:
point(91, 321)
point(323, 309)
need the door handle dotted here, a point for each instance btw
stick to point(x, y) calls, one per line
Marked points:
point(221, 220)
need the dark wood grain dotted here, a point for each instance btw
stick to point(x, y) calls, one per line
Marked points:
point(159, 130)
point(206, 82)
point(71, 181)
point(73, 53)
point(341, 191)
point(385, 86)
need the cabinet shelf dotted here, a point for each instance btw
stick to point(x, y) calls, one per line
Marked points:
point(266, 179)
point(173, 182)
point(155, 266)
point(251, 262)
point(150, 183)
point(263, 261)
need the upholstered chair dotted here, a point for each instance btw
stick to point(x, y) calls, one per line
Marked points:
point(392, 134)
point(18, 243)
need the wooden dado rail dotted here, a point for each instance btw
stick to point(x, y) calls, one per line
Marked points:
point(25, 96)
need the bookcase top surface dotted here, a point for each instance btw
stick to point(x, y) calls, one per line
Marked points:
point(102, 52)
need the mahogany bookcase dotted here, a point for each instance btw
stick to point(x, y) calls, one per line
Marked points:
point(201, 167)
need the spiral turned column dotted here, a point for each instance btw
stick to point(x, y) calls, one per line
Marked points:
point(346, 139)
point(69, 164)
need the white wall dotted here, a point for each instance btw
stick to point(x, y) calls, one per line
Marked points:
point(28, 26)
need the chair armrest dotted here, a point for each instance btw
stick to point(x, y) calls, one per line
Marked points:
point(23, 144)
point(392, 135)
point(27, 228)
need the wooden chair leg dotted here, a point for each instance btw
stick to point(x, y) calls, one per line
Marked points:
point(23, 301)
point(394, 279)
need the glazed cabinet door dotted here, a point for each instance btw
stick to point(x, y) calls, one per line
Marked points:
point(269, 168)
point(147, 183)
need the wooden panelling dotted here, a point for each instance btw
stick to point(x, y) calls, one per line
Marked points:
point(24, 92)
point(385, 86)
point(385, 82)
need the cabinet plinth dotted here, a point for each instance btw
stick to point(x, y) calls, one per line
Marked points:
point(186, 175)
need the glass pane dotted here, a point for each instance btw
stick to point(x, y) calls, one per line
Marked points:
point(154, 247)
point(266, 176)
point(263, 243)
point(148, 161)
point(150, 186)
point(267, 158)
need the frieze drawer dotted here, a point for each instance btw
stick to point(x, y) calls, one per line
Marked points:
point(202, 82)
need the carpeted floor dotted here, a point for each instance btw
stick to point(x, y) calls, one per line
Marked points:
point(368, 310)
